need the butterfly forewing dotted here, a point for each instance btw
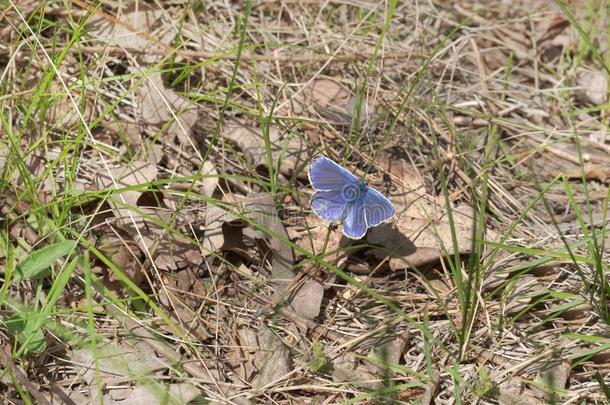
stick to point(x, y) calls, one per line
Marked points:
point(326, 175)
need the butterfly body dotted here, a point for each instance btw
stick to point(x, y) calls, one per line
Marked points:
point(340, 196)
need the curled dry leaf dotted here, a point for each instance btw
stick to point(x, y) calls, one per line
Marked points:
point(221, 226)
point(134, 174)
point(125, 254)
point(151, 231)
point(260, 207)
point(289, 150)
point(223, 230)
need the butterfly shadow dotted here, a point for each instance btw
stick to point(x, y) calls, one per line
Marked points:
point(389, 242)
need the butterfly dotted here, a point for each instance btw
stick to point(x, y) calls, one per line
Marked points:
point(340, 196)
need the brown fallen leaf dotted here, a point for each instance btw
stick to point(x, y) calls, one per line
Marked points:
point(134, 174)
point(260, 207)
point(157, 394)
point(126, 255)
point(414, 242)
point(185, 293)
point(157, 104)
point(112, 364)
point(169, 249)
point(224, 230)
point(307, 299)
point(138, 26)
point(313, 238)
point(526, 287)
point(407, 182)
point(334, 102)
point(554, 378)
point(221, 226)
point(592, 171)
point(512, 392)
point(289, 151)
point(592, 87)
point(272, 359)
point(348, 369)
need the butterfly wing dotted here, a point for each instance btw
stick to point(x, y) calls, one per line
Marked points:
point(326, 175)
point(354, 224)
point(329, 205)
point(377, 208)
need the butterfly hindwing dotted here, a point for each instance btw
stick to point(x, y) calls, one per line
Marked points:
point(329, 205)
point(354, 224)
point(326, 175)
point(377, 208)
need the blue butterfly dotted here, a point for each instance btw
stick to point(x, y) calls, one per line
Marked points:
point(340, 196)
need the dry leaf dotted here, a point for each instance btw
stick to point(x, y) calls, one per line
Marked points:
point(218, 226)
point(334, 102)
point(512, 392)
point(210, 179)
point(62, 114)
point(414, 242)
point(133, 29)
point(555, 378)
point(387, 349)
point(115, 363)
point(122, 253)
point(592, 171)
point(526, 287)
point(347, 369)
point(157, 105)
point(185, 293)
point(155, 393)
point(289, 151)
point(140, 27)
point(272, 359)
point(170, 250)
point(308, 299)
point(136, 173)
point(314, 238)
point(403, 177)
point(592, 87)
point(260, 207)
